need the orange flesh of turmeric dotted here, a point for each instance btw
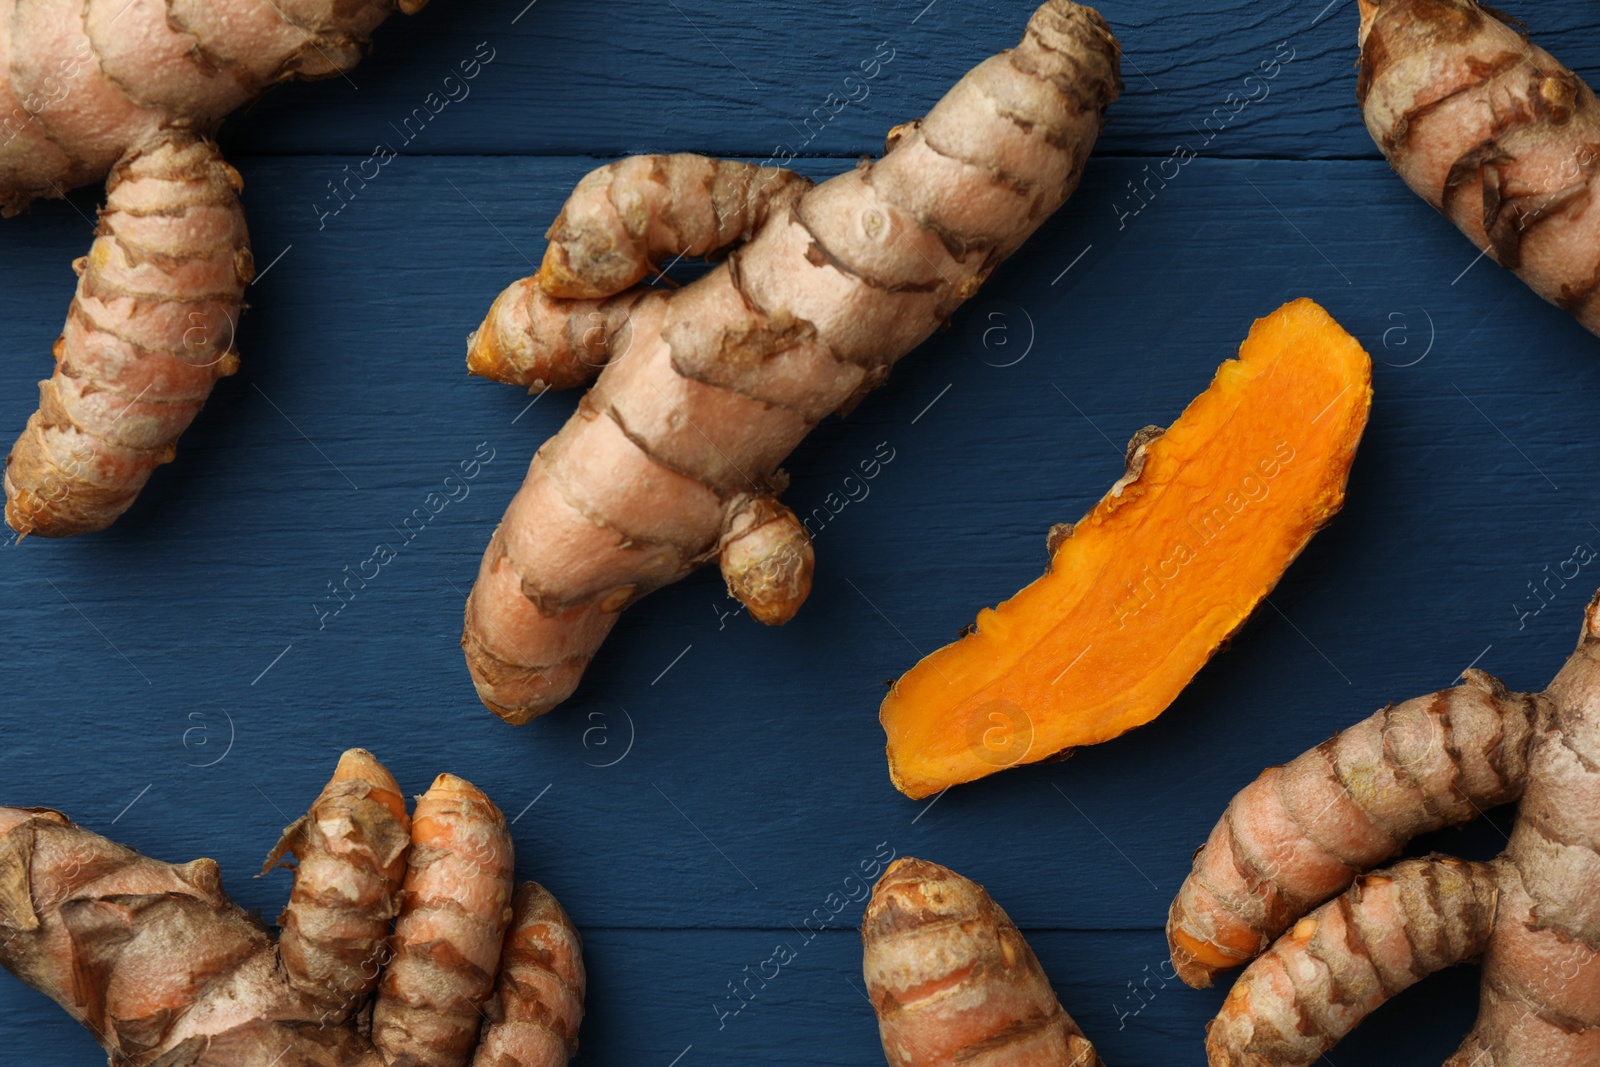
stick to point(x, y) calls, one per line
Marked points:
point(1157, 576)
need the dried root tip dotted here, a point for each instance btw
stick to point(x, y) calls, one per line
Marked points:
point(767, 559)
point(951, 978)
point(540, 342)
point(627, 216)
point(447, 941)
point(538, 1001)
point(899, 133)
point(1337, 965)
point(150, 331)
point(1057, 535)
point(1133, 457)
point(350, 850)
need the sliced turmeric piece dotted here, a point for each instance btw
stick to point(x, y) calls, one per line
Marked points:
point(1156, 577)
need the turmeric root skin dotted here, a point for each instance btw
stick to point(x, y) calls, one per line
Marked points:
point(166, 971)
point(132, 90)
point(350, 859)
point(1495, 133)
point(1306, 830)
point(953, 981)
point(706, 391)
point(447, 939)
point(1302, 832)
point(1161, 572)
point(538, 1000)
point(150, 330)
point(1342, 961)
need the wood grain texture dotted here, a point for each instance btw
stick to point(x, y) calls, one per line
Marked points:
point(176, 662)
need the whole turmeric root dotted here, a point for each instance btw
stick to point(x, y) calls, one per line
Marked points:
point(953, 981)
point(167, 972)
point(1305, 832)
point(672, 458)
point(131, 89)
point(1493, 132)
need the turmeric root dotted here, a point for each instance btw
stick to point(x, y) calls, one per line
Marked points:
point(131, 90)
point(672, 457)
point(447, 939)
point(1464, 750)
point(538, 1000)
point(953, 981)
point(1493, 132)
point(1304, 832)
point(1143, 590)
point(166, 971)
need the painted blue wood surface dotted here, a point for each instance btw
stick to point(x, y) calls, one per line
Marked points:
point(172, 684)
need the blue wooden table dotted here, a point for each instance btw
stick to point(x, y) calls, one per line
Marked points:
point(175, 683)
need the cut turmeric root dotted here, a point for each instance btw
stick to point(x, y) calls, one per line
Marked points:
point(1171, 562)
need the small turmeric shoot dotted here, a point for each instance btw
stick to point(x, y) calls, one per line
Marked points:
point(1161, 572)
point(953, 981)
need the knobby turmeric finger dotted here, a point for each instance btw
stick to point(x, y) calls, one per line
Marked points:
point(165, 970)
point(448, 937)
point(953, 981)
point(1495, 133)
point(1146, 588)
point(1302, 832)
point(533, 1017)
point(350, 859)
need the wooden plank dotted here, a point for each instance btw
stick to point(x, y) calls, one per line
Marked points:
point(170, 682)
point(202, 606)
point(700, 76)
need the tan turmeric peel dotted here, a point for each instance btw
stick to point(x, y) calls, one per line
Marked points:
point(1144, 589)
